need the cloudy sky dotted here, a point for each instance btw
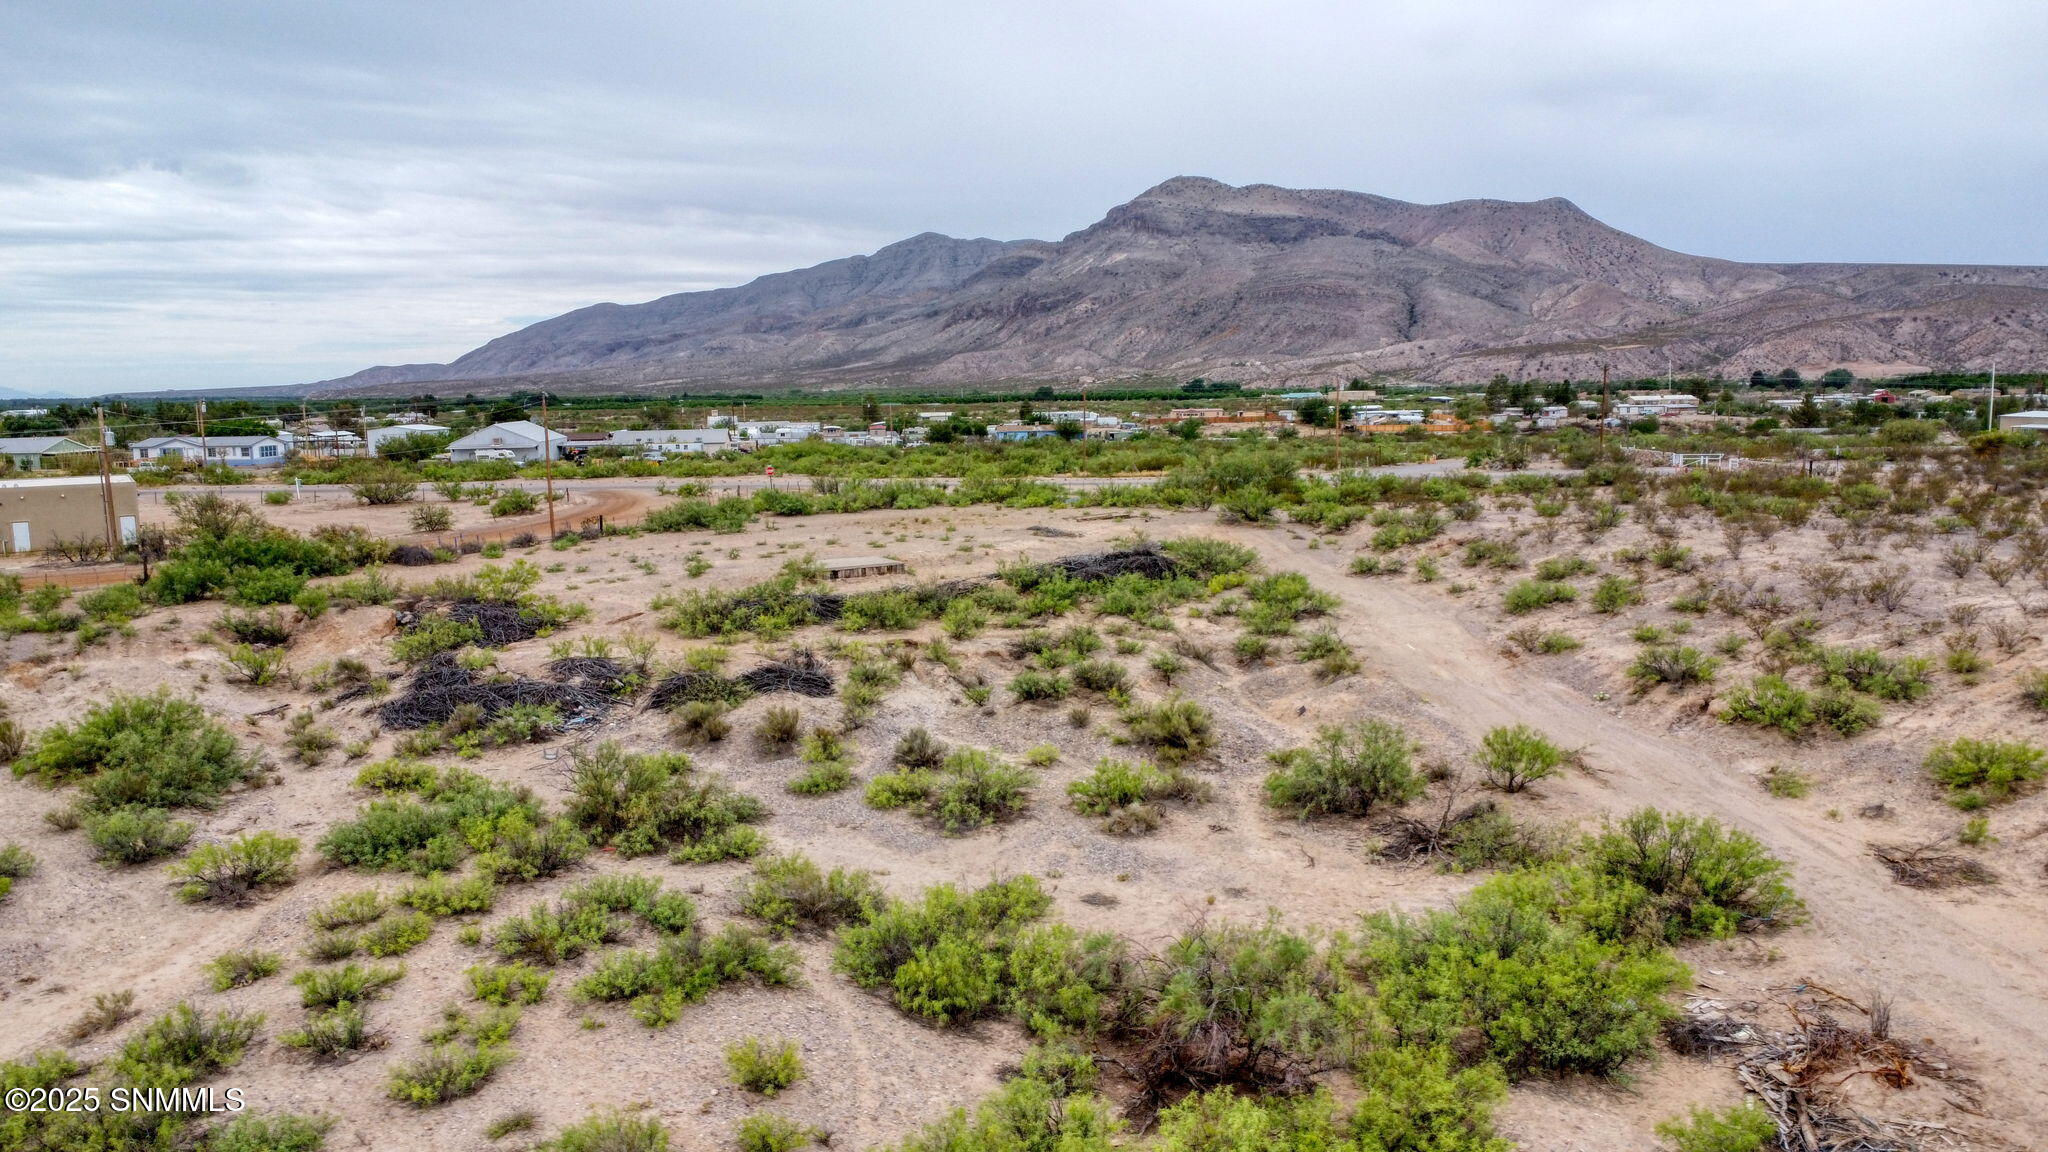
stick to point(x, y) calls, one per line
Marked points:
point(211, 193)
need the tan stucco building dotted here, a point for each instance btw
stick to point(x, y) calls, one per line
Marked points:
point(34, 513)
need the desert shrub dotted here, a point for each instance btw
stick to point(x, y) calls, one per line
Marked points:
point(136, 835)
point(779, 727)
point(282, 1133)
point(1563, 567)
point(109, 1011)
point(1688, 877)
point(766, 1132)
point(522, 852)
point(235, 872)
point(1025, 1115)
point(2033, 690)
point(1345, 771)
point(1250, 1004)
point(1615, 593)
point(514, 502)
point(970, 789)
point(434, 829)
point(334, 1032)
point(242, 967)
point(1742, 1128)
point(432, 518)
point(948, 956)
point(1530, 595)
point(1501, 970)
point(350, 983)
point(552, 934)
point(396, 935)
point(1847, 713)
point(610, 1132)
point(16, 863)
point(1771, 702)
point(1126, 795)
point(1515, 757)
point(1100, 676)
point(1982, 772)
point(153, 751)
point(444, 895)
point(1040, 687)
point(1422, 1100)
point(185, 1044)
point(349, 910)
point(684, 968)
point(918, 748)
point(764, 1067)
point(700, 722)
point(1677, 667)
point(1176, 729)
point(645, 802)
point(1868, 670)
point(447, 1072)
point(792, 894)
point(504, 984)
point(262, 629)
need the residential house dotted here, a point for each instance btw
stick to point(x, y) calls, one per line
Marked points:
point(521, 440)
point(379, 436)
point(1013, 433)
point(31, 453)
point(677, 441)
point(233, 451)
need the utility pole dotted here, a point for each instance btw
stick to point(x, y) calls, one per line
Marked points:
point(1991, 401)
point(547, 461)
point(1604, 409)
point(202, 435)
point(107, 487)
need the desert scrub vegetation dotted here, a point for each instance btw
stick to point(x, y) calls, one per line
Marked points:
point(1674, 878)
point(16, 863)
point(431, 819)
point(237, 871)
point(463, 1053)
point(153, 751)
point(1980, 773)
point(767, 1132)
point(1531, 595)
point(134, 835)
point(493, 607)
point(1348, 770)
point(951, 957)
point(971, 788)
point(764, 1067)
point(503, 984)
point(242, 967)
point(685, 965)
point(791, 894)
point(1175, 729)
point(605, 1132)
point(1741, 1128)
point(1126, 796)
point(639, 804)
point(1675, 667)
point(1515, 757)
point(827, 757)
point(1770, 701)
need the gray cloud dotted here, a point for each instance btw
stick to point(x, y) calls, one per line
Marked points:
point(222, 193)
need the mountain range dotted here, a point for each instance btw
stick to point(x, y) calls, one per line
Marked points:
point(1271, 285)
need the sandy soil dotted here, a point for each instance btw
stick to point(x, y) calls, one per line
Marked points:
point(1964, 968)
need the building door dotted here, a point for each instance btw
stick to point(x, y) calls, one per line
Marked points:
point(19, 537)
point(127, 529)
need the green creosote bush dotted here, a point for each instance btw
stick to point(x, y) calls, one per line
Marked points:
point(1126, 795)
point(1741, 1128)
point(642, 803)
point(466, 1052)
point(609, 1132)
point(1530, 595)
point(762, 1066)
point(444, 895)
point(278, 1133)
point(153, 751)
point(1176, 729)
point(333, 1032)
point(350, 984)
point(970, 789)
point(1978, 773)
point(237, 871)
point(349, 910)
point(791, 894)
point(1346, 771)
point(1687, 877)
point(396, 935)
point(779, 728)
point(503, 984)
point(684, 968)
point(1677, 667)
point(1515, 757)
point(242, 967)
point(767, 1132)
point(1616, 593)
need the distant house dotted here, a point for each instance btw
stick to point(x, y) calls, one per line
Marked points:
point(512, 440)
point(379, 436)
point(1003, 433)
point(234, 451)
point(676, 441)
point(2035, 419)
point(30, 453)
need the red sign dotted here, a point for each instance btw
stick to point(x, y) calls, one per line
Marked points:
point(771, 469)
